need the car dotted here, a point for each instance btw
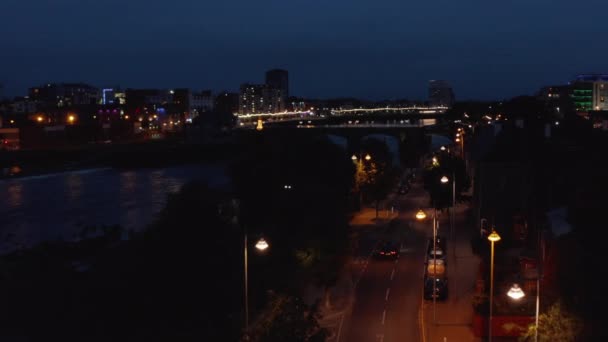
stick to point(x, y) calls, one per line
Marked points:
point(440, 287)
point(440, 254)
point(441, 246)
point(388, 250)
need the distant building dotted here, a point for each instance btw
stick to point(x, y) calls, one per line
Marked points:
point(260, 98)
point(590, 93)
point(201, 103)
point(24, 105)
point(66, 94)
point(557, 99)
point(251, 99)
point(278, 79)
point(440, 93)
point(226, 102)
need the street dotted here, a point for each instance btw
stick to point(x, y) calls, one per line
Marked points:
point(389, 292)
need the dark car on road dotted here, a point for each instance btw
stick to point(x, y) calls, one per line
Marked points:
point(441, 288)
point(388, 250)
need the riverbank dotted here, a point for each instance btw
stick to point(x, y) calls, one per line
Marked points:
point(152, 154)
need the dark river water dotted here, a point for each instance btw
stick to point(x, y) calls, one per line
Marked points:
point(59, 206)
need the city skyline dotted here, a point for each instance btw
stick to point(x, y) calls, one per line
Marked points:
point(377, 51)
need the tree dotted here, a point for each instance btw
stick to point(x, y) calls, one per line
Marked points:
point(556, 325)
point(287, 318)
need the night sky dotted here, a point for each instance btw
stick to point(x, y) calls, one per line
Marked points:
point(375, 49)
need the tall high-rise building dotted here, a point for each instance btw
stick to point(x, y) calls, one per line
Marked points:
point(251, 99)
point(260, 98)
point(440, 93)
point(278, 79)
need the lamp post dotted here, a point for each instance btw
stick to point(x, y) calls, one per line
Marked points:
point(444, 180)
point(358, 161)
point(261, 245)
point(517, 293)
point(493, 237)
point(421, 215)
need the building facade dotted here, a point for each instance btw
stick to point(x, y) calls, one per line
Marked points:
point(590, 93)
point(66, 94)
point(260, 98)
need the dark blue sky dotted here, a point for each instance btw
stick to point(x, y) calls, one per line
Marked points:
point(364, 48)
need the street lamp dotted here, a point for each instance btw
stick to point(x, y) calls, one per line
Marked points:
point(421, 215)
point(493, 237)
point(261, 245)
point(517, 293)
point(444, 180)
point(367, 157)
point(358, 161)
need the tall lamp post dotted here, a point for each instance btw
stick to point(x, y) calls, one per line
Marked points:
point(517, 293)
point(358, 161)
point(261, 245)
point(493, 237)
point(421, 215)
point(445, 180)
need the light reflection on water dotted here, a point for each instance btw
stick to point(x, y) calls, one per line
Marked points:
point(47, 207)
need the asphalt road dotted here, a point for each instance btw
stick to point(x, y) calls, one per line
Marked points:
point(389, 292)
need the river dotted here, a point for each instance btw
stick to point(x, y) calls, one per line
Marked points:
point(58, 206)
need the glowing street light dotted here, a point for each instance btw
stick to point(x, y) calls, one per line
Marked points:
point(420, 215)
point(516, 292)
point(71, 118)
point(493, 237)
point(261, 244)
point(368, 157)
point(444, 179)
point(443, 148)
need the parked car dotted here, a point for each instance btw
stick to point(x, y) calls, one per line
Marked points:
point(441, 288)
point(388, 250)
point(440, 253)
point(435, 269)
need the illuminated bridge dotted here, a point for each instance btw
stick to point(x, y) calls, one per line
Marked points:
point(343, 117)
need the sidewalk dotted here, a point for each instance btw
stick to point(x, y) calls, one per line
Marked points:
point(366, 217)
point(454, 317)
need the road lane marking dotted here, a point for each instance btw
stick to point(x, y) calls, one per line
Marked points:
point(383, 316)
point(393, 274)
point(340, 328)
point(421, 320)
point(387, 292)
